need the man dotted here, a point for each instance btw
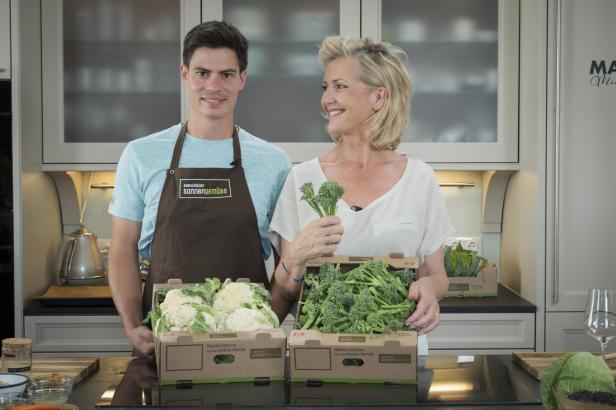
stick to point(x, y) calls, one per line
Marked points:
point(195, 199)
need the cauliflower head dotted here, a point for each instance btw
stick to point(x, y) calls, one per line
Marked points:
point(244, 320)
point(175, 297)
point(232, 296)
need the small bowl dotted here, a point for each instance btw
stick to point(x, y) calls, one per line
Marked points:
point(13, 382)
point(51, 388)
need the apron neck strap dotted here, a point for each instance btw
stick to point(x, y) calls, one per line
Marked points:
point(175, 159)
point(237, 152)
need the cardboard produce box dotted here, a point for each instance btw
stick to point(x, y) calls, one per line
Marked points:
point(183, 358)
point(317, 357)
point(484, 284)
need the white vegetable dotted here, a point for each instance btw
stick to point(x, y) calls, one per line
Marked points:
point(244, 319)
point(176, 297)
point(232, 296)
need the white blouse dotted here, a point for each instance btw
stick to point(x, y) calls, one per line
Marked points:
point(410, 218)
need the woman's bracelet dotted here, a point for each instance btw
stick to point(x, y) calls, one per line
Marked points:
point(300, 280)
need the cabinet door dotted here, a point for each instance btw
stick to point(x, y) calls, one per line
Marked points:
point(111, 74)
point(476, 331)
point(581, 147)
point(76, 334)
point(281, 100)
point(463, 59)
point(564, 332)
point(5, 39)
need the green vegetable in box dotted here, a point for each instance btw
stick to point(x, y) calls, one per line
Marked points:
point(575, 372)
point(213, 307)
point(367, 299)
point(460, 262)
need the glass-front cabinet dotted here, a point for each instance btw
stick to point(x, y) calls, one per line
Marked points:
point(463, 58)
point(110, 74)
point(281, 99)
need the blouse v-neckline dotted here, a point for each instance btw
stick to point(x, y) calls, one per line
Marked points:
point(376, 200)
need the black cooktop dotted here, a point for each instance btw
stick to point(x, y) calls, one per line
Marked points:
point(441, 380)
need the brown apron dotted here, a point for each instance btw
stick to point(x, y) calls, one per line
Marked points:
point(206, 226)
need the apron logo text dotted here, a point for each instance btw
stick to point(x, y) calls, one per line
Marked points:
point(205, 188)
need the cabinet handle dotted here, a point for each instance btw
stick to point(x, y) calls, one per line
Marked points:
point(555, 275)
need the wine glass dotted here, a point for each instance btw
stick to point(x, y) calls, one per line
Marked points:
point(600, 317)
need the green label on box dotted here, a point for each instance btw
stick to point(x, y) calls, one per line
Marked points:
point(273, 353)
point(354, 339)
point(222, 335)
point(394, 358)
point(458, 287)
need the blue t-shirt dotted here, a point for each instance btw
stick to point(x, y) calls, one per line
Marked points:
point(142, 169)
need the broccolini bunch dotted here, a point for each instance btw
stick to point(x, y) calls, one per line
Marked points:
point(325, 202)
point(367, 299)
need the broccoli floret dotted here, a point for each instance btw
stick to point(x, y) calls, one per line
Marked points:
point(329, 194)
point(325, 202)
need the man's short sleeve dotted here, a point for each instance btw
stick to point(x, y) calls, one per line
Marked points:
point(127, 199)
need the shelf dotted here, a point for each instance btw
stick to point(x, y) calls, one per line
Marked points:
point(120, 94)
point(444, 42)
point(458, 93)
point(132, 43)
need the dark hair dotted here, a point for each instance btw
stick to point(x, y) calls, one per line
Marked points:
point(216, 34)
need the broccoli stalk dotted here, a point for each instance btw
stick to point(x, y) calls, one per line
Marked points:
point(324, 204)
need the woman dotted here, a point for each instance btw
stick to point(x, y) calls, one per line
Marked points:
point(391, 203)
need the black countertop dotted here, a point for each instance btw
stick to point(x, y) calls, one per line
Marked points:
point(492, 382)
point(506, 301)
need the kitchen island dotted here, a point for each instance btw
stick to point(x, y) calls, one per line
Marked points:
point(491, 381)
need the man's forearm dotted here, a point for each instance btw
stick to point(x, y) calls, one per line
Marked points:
point(125, 284)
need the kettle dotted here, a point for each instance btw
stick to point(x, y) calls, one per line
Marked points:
point(79, 261)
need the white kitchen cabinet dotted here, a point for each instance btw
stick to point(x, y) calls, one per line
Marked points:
point(5, 39)
point(281, 100)
point(463, 59)
point(580, 165)
point(464, 62)
point(476, 332)
point(101, 93)
point(91, 333)
point(565, 333)
point(111, 74)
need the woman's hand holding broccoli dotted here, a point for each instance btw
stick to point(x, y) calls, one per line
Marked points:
point(320, 237)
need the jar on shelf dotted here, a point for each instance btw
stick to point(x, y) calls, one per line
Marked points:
point(16, 355)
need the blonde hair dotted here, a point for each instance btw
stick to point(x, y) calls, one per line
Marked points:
point(380, 65)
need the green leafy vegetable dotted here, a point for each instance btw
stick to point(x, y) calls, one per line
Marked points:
point(574, 372)
point(325, 202)
point(367, 299)
point(462, 262)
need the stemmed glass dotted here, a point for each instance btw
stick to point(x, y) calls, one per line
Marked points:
point(600, 317)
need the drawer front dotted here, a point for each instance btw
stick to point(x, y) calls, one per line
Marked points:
point(564, 332)
point(459, 331)
point(76, 334)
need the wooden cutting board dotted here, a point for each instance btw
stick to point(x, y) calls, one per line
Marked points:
point(67, 292)
point(535, 363)
point(77, 368)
